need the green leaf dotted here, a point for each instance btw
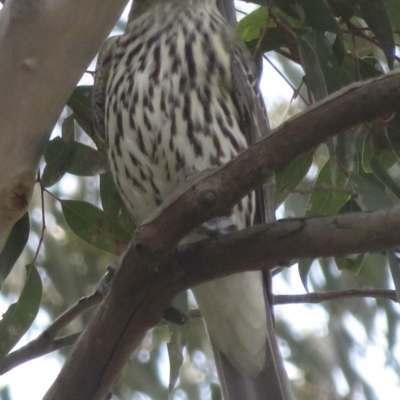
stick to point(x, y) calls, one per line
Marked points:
point(327, 60)
point(393, 134)
point(378, 145)
point(80, 103)
point(380, 172)
point(376, 16)
point(315, 13)
point(350, 206)
point(319, 16)
point(94, 226)
point(68, 129)
point(304, 269)
point(312, 68)
point(57, 154)
point(20, 315)
point(371, 193)
point(13, 248)
point(72, 157)
point(178, 340)
point(329, 196)
point(113, 205)
point(350, 263)
point(251, 25)
point(291, 176)
point(393, 10)
point(86, 161)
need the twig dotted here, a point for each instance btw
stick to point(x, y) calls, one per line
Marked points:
point(46, 343)
point(315, 298)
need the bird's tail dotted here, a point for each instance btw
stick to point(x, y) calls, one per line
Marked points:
point(271, 383)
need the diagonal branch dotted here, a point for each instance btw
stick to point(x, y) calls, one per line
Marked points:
point(143, 285)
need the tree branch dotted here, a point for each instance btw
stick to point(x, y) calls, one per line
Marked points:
point(315, 298)
point(43, 55)
point(142, 286)
point(46, 343)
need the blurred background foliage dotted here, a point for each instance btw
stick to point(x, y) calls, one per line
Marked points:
point(77, 224)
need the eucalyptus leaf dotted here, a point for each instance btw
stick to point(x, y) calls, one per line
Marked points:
point(94, 226)
point(113, 205)
point(371, 193)
point(80, 103)
point(328, 197)
point(19, 316)
point(13, 248)
point(291, 176)
point(377, 18)
point(312, 68)
point(304, 270)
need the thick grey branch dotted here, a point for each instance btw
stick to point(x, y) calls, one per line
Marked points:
point(45, 47)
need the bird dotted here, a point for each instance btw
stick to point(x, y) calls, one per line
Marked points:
point(177, 94)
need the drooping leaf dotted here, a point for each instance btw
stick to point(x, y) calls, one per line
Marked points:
point(57, 154)
point(249, 28)
point(376, 16)
point(380, 172)
point(14, 246)
point(94, 226)
point(68, 129)
point(350, 263)
point(20, 315)
point(394, 266)
point(378, 146)
point(312, 68)
point(392, 130)
point(113, 205)
point(371, 193)
point(327, 60)
point(315, 13)
point(80, 103)
point(74, 158)
point(86, 161)
point(304, 270)
point(178, 340)
point(291, 176)
point(328, 197)
point(393, 10)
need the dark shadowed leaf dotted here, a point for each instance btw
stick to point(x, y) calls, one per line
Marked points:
point(113, 205)
point(350, 263)
point(291, 176)
point(393, 10)
point(94, 226)
point(312, 68)
point(86, 161)
point(330, 193)
point(57, 154)
point(315, 13)
point(371, 193)
point(327, 60)
point(393, 134)
point(14, 246)
point(380, 172)
point(80, 103)
point(376, 16)
point(304, 269)
point(378, 146)
point(74, 158)
point(178, 340)
point(20, 315)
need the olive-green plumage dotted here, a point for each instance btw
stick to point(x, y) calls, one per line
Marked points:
point(175, 94)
